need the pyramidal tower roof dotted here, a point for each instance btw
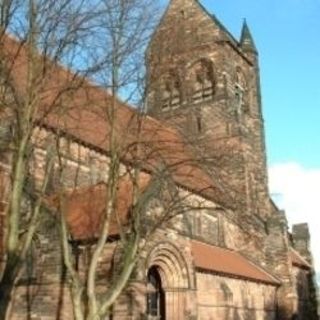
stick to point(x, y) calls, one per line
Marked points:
point(246, 40)
point(184, 3)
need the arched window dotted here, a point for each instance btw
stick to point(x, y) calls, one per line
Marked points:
point(202, 77)
point(171, 95)
point(155, 295)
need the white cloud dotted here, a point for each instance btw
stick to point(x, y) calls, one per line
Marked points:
point(297, 190)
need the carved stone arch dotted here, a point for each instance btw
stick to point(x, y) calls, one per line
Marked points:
point(192, 62)
point(202, 80)
point(171, 264)
point(175, 297)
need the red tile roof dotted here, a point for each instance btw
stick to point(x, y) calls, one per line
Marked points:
point(298, 260)
point(81, 113)
point(84, 208)
point(229, 263)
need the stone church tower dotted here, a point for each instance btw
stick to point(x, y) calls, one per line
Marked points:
point(205, 82)
point(207, 258)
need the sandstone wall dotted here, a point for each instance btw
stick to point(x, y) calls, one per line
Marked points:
point(225, 298)
point(228, 135)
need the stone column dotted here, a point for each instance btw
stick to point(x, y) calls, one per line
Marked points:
point(279, 263)
point(301, 240)
point(301, 243)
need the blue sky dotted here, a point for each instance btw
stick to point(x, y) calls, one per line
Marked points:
point(287, 37)
point(286, 33)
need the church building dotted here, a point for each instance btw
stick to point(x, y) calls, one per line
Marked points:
point(229, 255)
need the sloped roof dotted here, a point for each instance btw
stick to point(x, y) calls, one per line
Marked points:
point(80, 111)
point(298, 260)
point(226, 34)
point(229, 263)
point(84, 208)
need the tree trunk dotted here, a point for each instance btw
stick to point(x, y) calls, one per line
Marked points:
point(7, 286)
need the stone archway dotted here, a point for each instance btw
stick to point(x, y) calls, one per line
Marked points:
point(167, 262)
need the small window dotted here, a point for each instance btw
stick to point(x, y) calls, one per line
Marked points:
point(203, 82)
point(238, 93)
point(171, 97)
point(199, 124)
point(227, 293)
point(197, 226)
point(203, 89)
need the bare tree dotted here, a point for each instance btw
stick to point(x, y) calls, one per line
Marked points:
point(44, 34)
point(124, 29)
point(104, 42)
point(34, 36)
point(142, 153)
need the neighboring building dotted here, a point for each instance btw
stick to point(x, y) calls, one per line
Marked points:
point(231, 257)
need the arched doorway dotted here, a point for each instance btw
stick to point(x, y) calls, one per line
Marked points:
point(156, 305)
point(169, 274)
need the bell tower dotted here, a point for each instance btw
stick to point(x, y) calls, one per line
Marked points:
point(205, 82)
